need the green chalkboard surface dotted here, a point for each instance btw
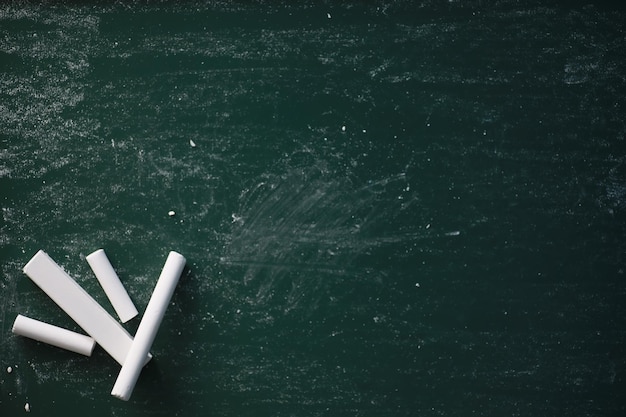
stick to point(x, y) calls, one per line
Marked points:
point(393, 209)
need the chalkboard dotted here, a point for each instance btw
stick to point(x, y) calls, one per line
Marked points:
point(388, 209)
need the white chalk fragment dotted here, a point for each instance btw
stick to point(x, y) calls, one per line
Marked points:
point(328, 15)
point(192, 143)
point(112, 286)
point(147, 330)
point(80, 306)
point(343, 128)
point(171, 213)
point(9, 369)
point(53, 335)
point(27, 407)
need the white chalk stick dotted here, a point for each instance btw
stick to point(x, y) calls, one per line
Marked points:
point(79, 305)
point(147, 330)
point(53, 335)
point(112, 285)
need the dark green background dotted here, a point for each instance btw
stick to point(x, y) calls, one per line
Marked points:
point(457, 250)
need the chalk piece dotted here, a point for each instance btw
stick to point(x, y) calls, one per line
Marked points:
point(9, 370)
point(27, 407)
point(147, 330)
point(171, 213)
point(53, 335)
point(192, 143)
point(112, 286)
point(80, 306)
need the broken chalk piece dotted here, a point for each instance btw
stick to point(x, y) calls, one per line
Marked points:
point(53, 335)
point(147, 330)
point(79, 305)
point(111, 284)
